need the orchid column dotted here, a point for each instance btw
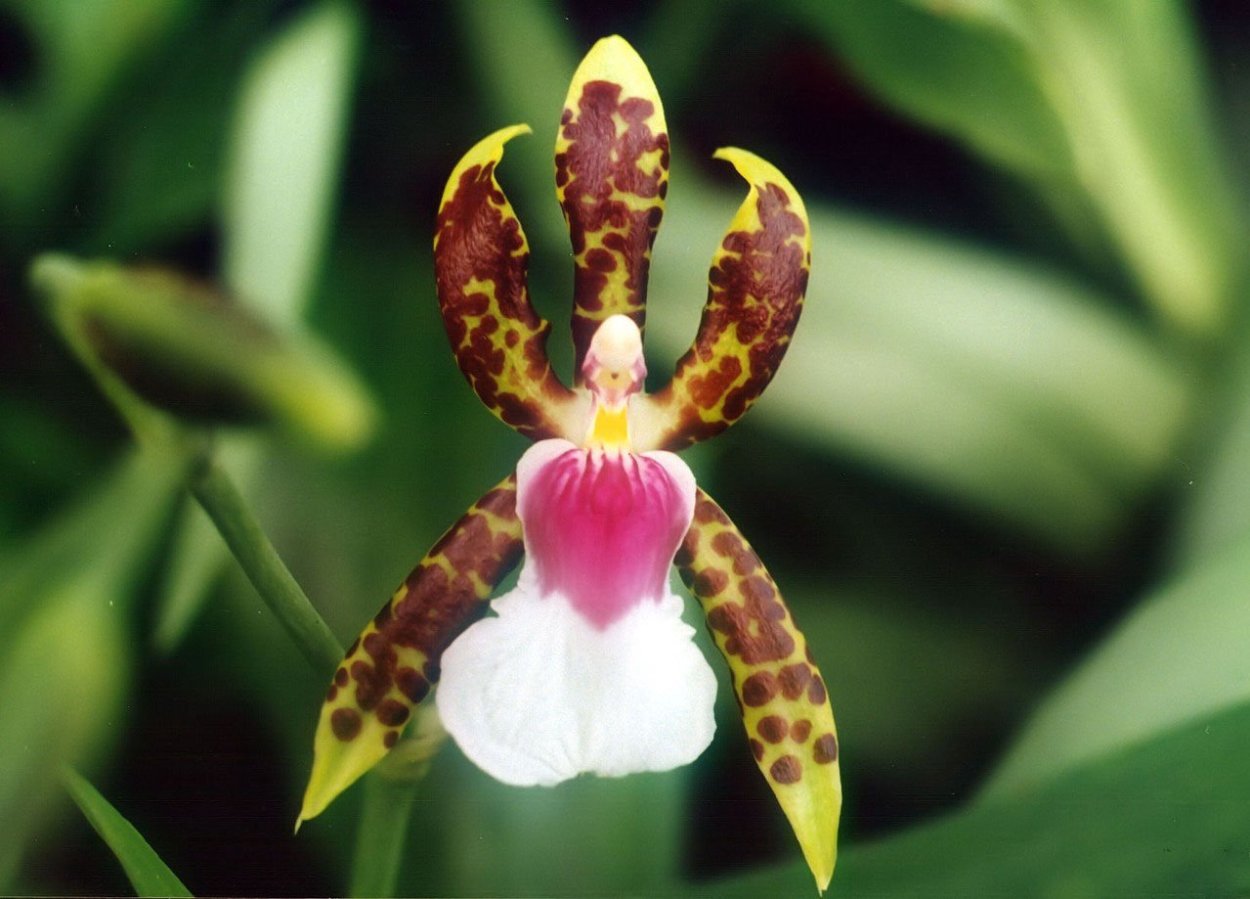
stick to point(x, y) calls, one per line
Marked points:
point(586, 666)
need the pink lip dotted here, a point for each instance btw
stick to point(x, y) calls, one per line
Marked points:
point(601, 529)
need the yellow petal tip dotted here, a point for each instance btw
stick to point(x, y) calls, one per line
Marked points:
point(757, 170)
point(612, 59)
point(488, 149)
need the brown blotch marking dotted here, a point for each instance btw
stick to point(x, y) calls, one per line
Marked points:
point(392, 712)
point(434, 608)
point(477, 240)
point(754, 629)
point(345, 723)
point(756, 287)
point(332, 693)
point(598, 161)
point(800, 730)
point(772, 728)
point(372, 683)
point(786, 770)
point(706, 389)
point(757, 749)
point(383, 616)
point(793, 679)
point(816, 691)
point(759, 688)
point(709, 582)
point(707, 512)
point(390, 738)
point(412, 684)
point(825, 749)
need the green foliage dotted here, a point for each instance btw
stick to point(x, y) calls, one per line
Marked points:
point(1002, 477)
point(148, 874)
point(1099, 106)
point(1165, 817)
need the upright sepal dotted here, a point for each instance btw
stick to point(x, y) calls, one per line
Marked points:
point(481, 259)
point(611, 178)
point(755, 293)
point(780, 691)
point(393, 665)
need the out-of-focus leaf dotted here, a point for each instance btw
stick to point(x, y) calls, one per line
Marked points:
point(65, 602)
point(284, 158)
point(81, 49)
point(1098, 105)
point(286, 145)
point(996, 383)
point(1182, 656)
point(71, 540)
point(61, 688)
point(191, 351)
point(1215, 507)
point(160, 165)
point(1169, 817)
point(965, 68)
point(148, 874)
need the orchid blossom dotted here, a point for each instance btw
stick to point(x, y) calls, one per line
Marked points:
point(586, 666)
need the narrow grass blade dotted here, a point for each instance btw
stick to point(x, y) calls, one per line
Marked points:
point(148, 874)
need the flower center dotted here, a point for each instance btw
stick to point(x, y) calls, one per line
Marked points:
point(613, 370)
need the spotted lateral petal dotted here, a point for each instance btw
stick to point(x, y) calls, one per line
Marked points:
point(395, 662)
point(611, 179)
point(785, 707)
point(755, 294)
point(480, 261)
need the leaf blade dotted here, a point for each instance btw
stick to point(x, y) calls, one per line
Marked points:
point(148, 874)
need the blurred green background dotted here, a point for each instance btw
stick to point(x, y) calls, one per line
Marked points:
point(1003, 477)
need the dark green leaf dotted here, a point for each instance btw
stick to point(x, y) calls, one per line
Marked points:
point(148, 874)
point(1167, 818)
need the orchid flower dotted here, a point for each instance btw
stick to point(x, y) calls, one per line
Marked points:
point(586, 665)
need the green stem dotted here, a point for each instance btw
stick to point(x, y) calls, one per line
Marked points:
point(260, 562)
point(380, 836)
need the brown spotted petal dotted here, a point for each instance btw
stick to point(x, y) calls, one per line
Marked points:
point(393, 665)
point(785, 707)
point(755, 294)
point(611, 179)
point(480, 261)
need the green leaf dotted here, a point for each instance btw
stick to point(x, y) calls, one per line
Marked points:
point(1215, 486)
point(1179, 657)
point(65, 600)
point(83, 48)
point(160, 166)
point(148, 874)
point(966, 69)
point(1100, 106)
point(1168, 817)
point(284, 159)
